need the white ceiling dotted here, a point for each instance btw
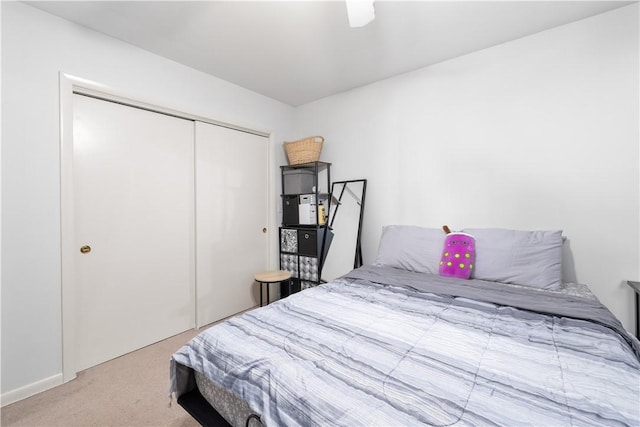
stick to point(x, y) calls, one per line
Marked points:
point(301, 51)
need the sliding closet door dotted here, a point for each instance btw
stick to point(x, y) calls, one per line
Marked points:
point(133, 177)
point(231, 219)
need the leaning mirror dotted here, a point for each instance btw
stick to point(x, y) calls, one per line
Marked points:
point(345, 219)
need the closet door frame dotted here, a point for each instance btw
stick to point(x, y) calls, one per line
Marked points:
point(68, 85)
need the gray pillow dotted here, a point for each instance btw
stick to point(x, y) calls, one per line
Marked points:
point(410, 247)
point(528, 258)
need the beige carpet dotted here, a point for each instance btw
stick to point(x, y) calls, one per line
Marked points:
point(132, 390)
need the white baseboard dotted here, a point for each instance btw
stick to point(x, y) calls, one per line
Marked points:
point(30, 390)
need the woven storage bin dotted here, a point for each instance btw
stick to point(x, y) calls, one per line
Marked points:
point(304, 150)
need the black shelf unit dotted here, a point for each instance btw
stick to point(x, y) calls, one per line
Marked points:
point(304, 236)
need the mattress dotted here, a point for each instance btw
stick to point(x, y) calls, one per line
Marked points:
point(388, 347)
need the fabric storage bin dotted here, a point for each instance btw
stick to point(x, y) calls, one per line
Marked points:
point(288, 240)
point(298, 181)
point(290, 210)
point(310, 242)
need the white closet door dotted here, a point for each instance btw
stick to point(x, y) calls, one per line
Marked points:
point(134, 207)
point(231, 212)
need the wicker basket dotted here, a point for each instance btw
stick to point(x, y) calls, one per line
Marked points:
point(304, 150)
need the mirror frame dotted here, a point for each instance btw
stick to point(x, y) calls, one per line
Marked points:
point(337, 200)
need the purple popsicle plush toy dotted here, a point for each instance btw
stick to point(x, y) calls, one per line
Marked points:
point(458, 254)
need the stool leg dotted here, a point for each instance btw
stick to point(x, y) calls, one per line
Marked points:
point(260, 293)
point(268, 299)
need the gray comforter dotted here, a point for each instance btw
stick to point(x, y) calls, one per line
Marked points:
point(387, 347)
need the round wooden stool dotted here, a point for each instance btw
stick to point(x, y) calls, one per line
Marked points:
point(268, 277)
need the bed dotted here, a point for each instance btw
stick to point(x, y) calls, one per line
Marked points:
point(395, 344)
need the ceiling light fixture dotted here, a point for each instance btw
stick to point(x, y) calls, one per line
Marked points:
point(360, 12)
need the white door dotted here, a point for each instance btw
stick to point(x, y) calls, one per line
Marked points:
point(231, 219)
point(134, 207)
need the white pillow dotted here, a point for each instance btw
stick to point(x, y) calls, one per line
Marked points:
point(528, 258)
point(410, 247)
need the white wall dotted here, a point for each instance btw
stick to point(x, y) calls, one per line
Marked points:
point(537, 133)
point(35, 47)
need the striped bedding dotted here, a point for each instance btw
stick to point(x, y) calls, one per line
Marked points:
point(385, 347)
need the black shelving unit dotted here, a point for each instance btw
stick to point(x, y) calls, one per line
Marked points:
point(305, 237)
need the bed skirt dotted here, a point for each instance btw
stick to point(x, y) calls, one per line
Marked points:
point(211, 405)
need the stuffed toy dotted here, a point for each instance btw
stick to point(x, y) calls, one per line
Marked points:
point(458, 254)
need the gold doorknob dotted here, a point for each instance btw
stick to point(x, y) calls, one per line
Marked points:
point(85, 249)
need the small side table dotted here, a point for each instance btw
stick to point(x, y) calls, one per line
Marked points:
point(268, 277)
point(636, 287)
